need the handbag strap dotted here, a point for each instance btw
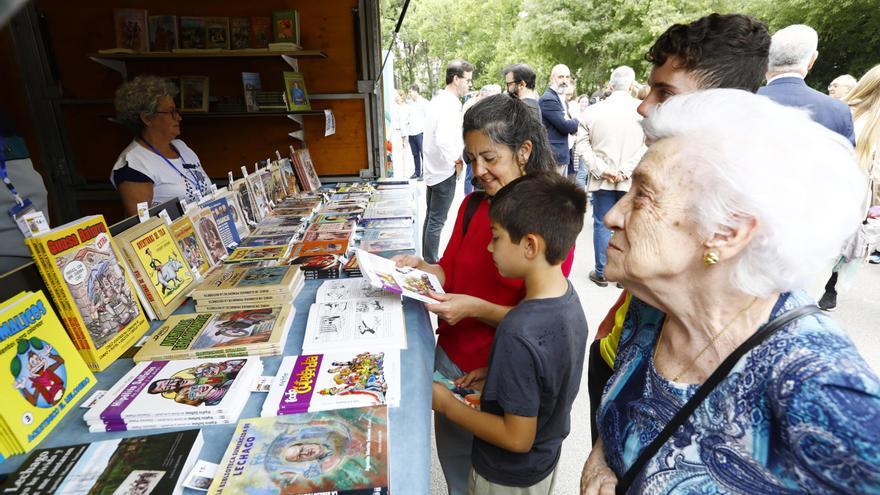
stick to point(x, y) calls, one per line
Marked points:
point(707, 387)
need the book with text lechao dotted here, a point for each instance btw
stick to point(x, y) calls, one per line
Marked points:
point(91, 287)
point(343, 451)
point(42, 375)
point(158, 265)
point(154, 464)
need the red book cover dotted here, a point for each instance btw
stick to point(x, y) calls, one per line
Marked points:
point(261, 31)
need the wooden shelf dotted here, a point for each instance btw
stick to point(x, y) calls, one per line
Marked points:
point(208, 54)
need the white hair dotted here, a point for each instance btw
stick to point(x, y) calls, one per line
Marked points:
point(792, 48)
point(845, 80)
point(490, 89)
point(755, 159)
point(622, 78)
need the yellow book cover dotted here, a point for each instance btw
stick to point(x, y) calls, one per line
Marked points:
point(185, 234)
point(258, 253)
point(92, 288)
point(158, 265)
point(44, 374)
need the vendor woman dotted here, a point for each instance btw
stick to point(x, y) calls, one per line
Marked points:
point(156, 166)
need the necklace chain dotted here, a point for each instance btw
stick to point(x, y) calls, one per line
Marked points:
point(706, 348)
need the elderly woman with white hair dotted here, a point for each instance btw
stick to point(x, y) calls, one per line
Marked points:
point(728, 379)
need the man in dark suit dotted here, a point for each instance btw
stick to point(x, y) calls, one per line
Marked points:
point(792, 55)
point(557, 121)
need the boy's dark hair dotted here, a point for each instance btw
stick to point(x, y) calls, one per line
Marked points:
point(415, 87)
point(722, 51)
point(546, 204)
point(457, 68)
point(521, 72)
point(510, 122)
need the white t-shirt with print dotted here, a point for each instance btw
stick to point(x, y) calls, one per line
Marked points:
point(182, 181)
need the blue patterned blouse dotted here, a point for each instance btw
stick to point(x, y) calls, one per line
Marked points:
point(799, 413)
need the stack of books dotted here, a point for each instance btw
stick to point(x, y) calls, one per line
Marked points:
point(168, 394)
point(234, 288)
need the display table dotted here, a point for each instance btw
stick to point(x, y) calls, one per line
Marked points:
point(409, 424)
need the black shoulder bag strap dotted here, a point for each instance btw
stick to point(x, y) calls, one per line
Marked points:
point(706, 388)
point(473, 202)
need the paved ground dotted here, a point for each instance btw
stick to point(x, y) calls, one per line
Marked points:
point(858, 312)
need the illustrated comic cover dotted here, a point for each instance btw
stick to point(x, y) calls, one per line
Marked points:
point(242, 190)
point(281, 191)
point(217, 32)
point(410, 282)
point(285, 25)
point(355, 324)
point(268, 240)
point(289, 175)
point(238, 218)
point(209, 233)
point(163, 33)
point(234, 281)
point(269, 185)
point(91, 286)
point(337, 451)
point(136, 465)
point(258, 195)
point(159, 266)
point(131, 29)
point(41, 373)
point(261, 253)
point(184, 233)
point(261, 31)
point(236, 333)
point(225, 223)
point(239, 27)
point(192, 32)
point(309, 169)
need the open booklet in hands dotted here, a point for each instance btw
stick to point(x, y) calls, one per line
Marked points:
point(410, 282)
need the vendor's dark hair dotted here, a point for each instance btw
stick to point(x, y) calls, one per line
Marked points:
point(546, 204)
point(510, 122)
point(722, 51)
point(521, 72)
point(457, 67)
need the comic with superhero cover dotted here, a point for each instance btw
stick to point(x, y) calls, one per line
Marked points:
point(344, 451)
point(41, 373)
point(90, 285)
point(246, 332)
point(184, 233)
point(180, 392)
point(155, 464)
point(334, 380)
point(159, 267)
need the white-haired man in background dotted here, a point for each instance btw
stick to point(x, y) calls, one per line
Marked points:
point(611, 143)
point(793, 51)
point(841, 86)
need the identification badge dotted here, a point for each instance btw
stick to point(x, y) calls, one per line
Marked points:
point(143, 211)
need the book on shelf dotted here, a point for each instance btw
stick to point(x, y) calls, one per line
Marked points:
point(246, 332)
point(209, 233)
point(285, 26)
point(242, 191)
point(194, 93)
point(158, 266)
point(90, 285)
point(407, 281)
point(223, 218)
point(192, 32)
point(297, 96)
point(353, 324)
point(184, 234)
point(131, 29)
point(163, 33)
point(339, 451)
point(239, 33)
point(141, 464)
point(251, 83)
point(217, 32)
point(334, 380)
point(186, 392)
point(258, 253)
point(261, 31)
point(270, 101)
point(45, 375)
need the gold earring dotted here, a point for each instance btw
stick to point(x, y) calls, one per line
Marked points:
point(711, 257)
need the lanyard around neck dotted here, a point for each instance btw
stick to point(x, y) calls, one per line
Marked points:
point(4, 175)
point(193, 179)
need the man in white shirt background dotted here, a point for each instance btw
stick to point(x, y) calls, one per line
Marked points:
point(415, 127)
point(443, 145)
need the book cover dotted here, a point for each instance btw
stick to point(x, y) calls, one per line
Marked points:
point(192, 32)
point(135, 465)
point(351, 288)
point(242, 192)
point(385, 245)
point(235, 333)
point(268, 240)
point(90, 284)
point(288, 230)
point(320, 248)
point(386, 223)
point(159, 266)
point(311, 176)
point(289, 176)
point(297, 96)
point(209, 234)
point(163, 33)
point(333, 227)
point(238, 218)
point(337, 451)
point(217, 32)
point(285, 24)
point(367, 323)
point(261, 253)
point(251, 83)
point(225, 223)
point(131, 29)
point(269, 185)
point(234, 281)
point(261, 31)
point(43, 375)
point(194, 93)
point(344, 218)
point(258, 195)
point(317, 266)
point(281, 191)
point(408, 281)
point(239, 33)
point(341, 236)
point(184, 234)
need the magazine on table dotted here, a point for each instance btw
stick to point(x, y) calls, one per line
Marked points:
point(407, 281)
point(355, 324)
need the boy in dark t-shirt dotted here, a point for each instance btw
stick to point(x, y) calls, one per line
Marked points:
point(538, 352)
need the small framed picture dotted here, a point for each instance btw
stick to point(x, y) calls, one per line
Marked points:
point(193, 93)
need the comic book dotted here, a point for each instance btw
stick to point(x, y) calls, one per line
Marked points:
point(238, 217)
point(269, 186)
point(258, 240)
point(320, 248)
point(281, 191)
point(91, 287)
point(247, 332)
point(349, 288)
point(233, 281)
point(289, 175)
point(354, 324)
point(163, 33)
point(159, 266)
point(261, 31)
point(261, 253)
point(209, 233)
point(238, 33)
point(43, 375)
point(131, 29)
point(258, 194)
point(175, 392)
point(407, 281)
point(305, 171)
point(136, 465)
point(317, 266)
point(344, 451)
point(184, 233)
point(334, 380)
point(242, 191)
point(225, 222)
point(217, 32)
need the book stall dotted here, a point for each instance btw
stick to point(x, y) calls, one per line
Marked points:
point(296, 360)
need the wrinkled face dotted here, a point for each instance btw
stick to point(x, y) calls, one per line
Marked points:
point(166, 120)
point(506, 254)
point(463, 84)
point(561, 79)
point(494, 165)
point(666, 81)
point(837, 90)
point(301, 452)
point(654, 237)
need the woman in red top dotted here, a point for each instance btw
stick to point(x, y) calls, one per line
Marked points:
point(503, 140)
